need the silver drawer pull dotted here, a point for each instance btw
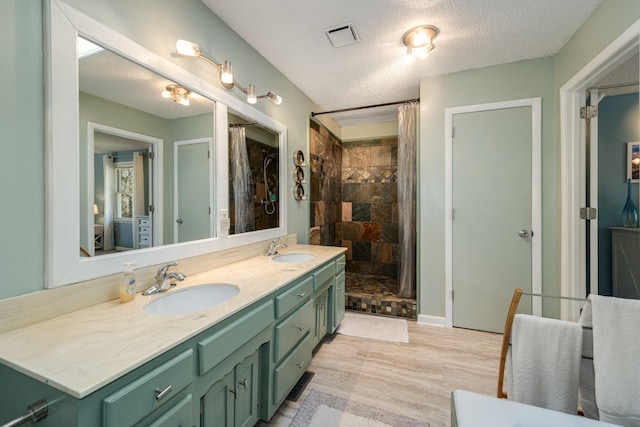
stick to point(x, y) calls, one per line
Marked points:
point(300, 328)
point(234, 391)
point(243, 383)
point(302, 295)
point(300, 365)
point(342, 263)
point(162, 392)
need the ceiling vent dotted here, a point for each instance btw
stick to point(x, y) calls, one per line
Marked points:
point(342, 35)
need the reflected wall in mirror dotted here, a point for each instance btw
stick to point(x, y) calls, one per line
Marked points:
point(148, 145)
point(254, 176)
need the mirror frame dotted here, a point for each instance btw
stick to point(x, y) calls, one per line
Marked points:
point(63, 264)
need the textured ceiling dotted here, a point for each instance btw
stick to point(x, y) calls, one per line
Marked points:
point(474, 34)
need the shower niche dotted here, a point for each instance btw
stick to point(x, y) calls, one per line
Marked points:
point(254, 176)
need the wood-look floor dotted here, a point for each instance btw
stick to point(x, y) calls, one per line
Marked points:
point(414, 380)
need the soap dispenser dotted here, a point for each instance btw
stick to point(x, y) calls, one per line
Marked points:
point(128, 285)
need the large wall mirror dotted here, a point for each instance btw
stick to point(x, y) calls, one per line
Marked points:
point(146, 146)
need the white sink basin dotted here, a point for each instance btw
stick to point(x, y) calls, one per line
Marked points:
point(192, 299)
point(293, 257)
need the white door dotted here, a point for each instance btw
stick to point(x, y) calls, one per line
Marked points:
point(192, 190)
point(493, 214)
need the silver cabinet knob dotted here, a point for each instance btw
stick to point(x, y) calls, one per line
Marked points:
point(179, 221)
point(523, 233)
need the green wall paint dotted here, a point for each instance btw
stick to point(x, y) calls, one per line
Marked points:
point(610, 19)
point(22, 177)
point(525, 79)
point(22, 253)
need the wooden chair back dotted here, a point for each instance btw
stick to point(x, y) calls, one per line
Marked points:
point(515, 300)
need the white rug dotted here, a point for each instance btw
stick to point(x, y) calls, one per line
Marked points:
point(374, 327)
point(326, 410)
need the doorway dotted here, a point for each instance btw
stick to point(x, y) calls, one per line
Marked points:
point(493, 231)
point(579, 239)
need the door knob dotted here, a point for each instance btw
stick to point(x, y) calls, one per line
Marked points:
point(523, 233)
point(179, 221)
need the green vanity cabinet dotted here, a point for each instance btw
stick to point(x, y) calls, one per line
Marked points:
point(233, 400)
point(338, 302)
point(236, 372)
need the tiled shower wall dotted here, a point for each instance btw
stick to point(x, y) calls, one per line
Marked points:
point(325, 188)
point(369, 226)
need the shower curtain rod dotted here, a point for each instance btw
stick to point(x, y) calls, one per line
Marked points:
point(365, 107)
point(242, 124)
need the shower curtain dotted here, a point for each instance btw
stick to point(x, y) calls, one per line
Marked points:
point(407, 198)
point(242, 187)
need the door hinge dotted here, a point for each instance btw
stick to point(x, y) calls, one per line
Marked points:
point(152, 155)
point(589, 111)
point(151, 209)
point(452, 295)
point(208, 154)
point(453, 132)
point(588, 213)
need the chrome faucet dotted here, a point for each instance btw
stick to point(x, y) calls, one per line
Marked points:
point(274, 246)
point(164, 279)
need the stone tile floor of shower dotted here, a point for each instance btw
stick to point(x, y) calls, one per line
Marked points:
point(377, 295)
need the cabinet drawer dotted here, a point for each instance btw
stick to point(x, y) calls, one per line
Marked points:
point(143, 229)
point(341, 263)
point(324, 274)
point(221, 344)
point(293, 329)
point(138, 399)
point(294, 296)
point(142, 222)
point(288, 373)
point(178, 415)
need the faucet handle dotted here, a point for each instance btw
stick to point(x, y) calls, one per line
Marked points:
point(162, 270)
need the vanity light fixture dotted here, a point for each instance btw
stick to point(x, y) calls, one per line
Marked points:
point(419, 42)
point(225, 72)
point(177, 94)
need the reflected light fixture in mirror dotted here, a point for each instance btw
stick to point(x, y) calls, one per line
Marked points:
point(177, 93)
point(225, 73)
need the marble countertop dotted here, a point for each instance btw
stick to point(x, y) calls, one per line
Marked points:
point(80, 352)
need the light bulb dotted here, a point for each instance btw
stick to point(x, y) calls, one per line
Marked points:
point(423, 52)
point(420, 39)
point(184, 101)
point(166, 94)
point(251, 94)
point(226, 74)
point(409, 57)
point(187, 48)
point(273, 97)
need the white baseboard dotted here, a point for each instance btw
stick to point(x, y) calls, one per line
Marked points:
point(424, 319)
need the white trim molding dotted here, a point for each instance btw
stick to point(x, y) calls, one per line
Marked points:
point(573, 254)
point(425, 319)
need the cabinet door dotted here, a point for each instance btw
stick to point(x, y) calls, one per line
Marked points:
point(218, 403)
point(339, 302)
point(246, 383)
point(321, 316)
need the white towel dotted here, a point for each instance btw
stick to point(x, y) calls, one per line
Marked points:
point(587, 391)
point(616, 348)
point(545, 359)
